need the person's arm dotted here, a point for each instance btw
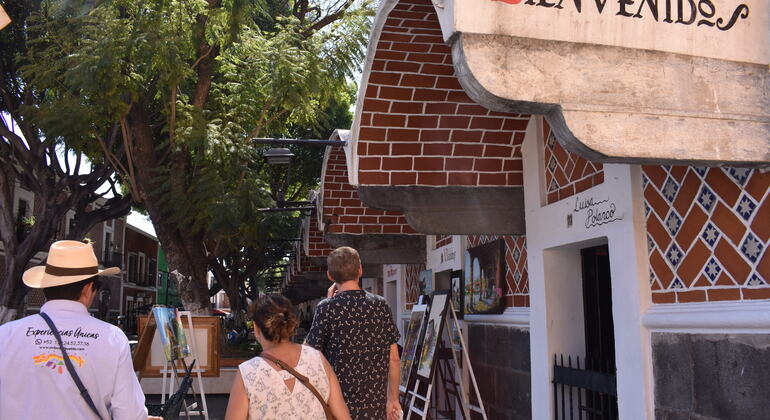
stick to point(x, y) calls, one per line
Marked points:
point(127, 400)
point(394, 379)
point(336, 401)
point(238, 405)
point(317, 337)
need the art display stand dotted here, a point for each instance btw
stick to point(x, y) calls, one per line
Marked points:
point(419, 396)
point(171, 378)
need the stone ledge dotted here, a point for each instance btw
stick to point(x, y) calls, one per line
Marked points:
point(436, 210)
point(514, 317)
point(375, 248)
point(710, 317)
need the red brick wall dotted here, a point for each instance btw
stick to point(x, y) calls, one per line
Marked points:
point(708, 231)
point(418, 127)
point(516, 276)
point(566, 174)
point(442, 241)
point(317, 246)
point(411, 280)
point(343, 211)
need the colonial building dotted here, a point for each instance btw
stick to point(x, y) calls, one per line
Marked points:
point(619, 151)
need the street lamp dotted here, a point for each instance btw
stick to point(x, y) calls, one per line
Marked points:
point(278, 156)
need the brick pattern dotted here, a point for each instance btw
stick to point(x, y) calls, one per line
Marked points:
point(440, 241)
point(411, 278)
point(317, 246)
point(516, 274)
point(418, 127)
point(708, 231)
point(566, 174)
point(343, 211)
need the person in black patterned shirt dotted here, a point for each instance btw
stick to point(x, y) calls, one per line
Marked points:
point(354, 329)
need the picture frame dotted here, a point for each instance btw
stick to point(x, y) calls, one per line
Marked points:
point(458, 292)
point(413, 338)
point(484, 279)
point(434, 328)
point(150, 359)
point(425, 282)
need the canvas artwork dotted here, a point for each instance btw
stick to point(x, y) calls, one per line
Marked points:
point(425, 282)
point(171, 333)
point(484, 278)
point(433, 330)
point(412, 342)
point(458, 291)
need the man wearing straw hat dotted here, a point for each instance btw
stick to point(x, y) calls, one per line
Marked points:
point(63, 363)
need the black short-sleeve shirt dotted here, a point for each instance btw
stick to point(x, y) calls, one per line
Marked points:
point(354, 330)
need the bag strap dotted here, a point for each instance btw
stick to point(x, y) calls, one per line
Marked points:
point(70, 368)
point(305, 381)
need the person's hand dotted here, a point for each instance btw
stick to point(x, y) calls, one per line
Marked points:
point(154, 418)
point(331, 291)
point(393, 408)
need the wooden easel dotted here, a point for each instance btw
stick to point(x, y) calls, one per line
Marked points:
point(422, 391)
point(167, 373)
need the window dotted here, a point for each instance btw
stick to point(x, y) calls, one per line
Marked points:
point(131, 271)
point(107, 247)
point(141, 270)
point(152, 274)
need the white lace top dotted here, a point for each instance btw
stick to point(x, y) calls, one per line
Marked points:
point(270, 398)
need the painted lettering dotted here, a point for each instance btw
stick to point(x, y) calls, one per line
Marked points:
point(683, 12)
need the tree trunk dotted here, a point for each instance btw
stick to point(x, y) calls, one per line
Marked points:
point(185, 251)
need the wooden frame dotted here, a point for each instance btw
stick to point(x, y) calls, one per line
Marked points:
point(458, 292)
point(434, 328)
point(149, 359)
point(412, 340)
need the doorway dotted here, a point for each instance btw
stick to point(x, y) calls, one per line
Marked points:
point(585, 385)
point(599, 330)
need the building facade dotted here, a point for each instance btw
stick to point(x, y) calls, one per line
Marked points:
point(623, 166)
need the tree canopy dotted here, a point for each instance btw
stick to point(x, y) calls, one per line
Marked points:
point(169, 94)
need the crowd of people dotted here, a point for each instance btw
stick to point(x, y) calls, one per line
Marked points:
point(63, 363)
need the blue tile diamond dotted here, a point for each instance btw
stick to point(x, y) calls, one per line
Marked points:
point(755, 280)
point(670, 188)
point(674, 255)
point(706, 198)
point(745, 207)
point(712, 270)
point(710, 234)
point(752, 247)
point(673, 222)
point(740, 175)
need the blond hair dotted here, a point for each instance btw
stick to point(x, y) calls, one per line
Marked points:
point(343, 264)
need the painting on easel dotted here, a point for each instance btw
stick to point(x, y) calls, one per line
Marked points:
point(433, 331)
point(412, 342)
point(171, 333)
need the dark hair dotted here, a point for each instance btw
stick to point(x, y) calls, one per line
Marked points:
point(343, 264)
point(71, 291)
point(275, 317)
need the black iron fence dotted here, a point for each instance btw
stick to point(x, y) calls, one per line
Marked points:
point(112, 259)
point(128, 321)
point(587, 392)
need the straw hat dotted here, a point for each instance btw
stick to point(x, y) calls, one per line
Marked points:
point(68, 262)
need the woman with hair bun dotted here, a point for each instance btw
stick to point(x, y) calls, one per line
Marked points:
point(263, 389)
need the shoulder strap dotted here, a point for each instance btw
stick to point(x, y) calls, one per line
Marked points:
point(70, 368)
point(305, 381)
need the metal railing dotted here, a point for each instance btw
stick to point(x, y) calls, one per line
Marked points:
point(588, 392)
point(112, 259)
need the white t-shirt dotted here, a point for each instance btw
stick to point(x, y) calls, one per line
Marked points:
point(35, 383)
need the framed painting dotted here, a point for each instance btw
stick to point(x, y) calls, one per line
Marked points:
point(434, 324)
point(425, 282)
point(411, 343)
point(484, 277)
point(150, 355)
point(458, 292)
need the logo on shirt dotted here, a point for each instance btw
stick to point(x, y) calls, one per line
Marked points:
point(56, 362)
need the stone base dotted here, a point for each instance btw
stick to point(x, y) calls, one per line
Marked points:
point(711, 376)
point(501, 363)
